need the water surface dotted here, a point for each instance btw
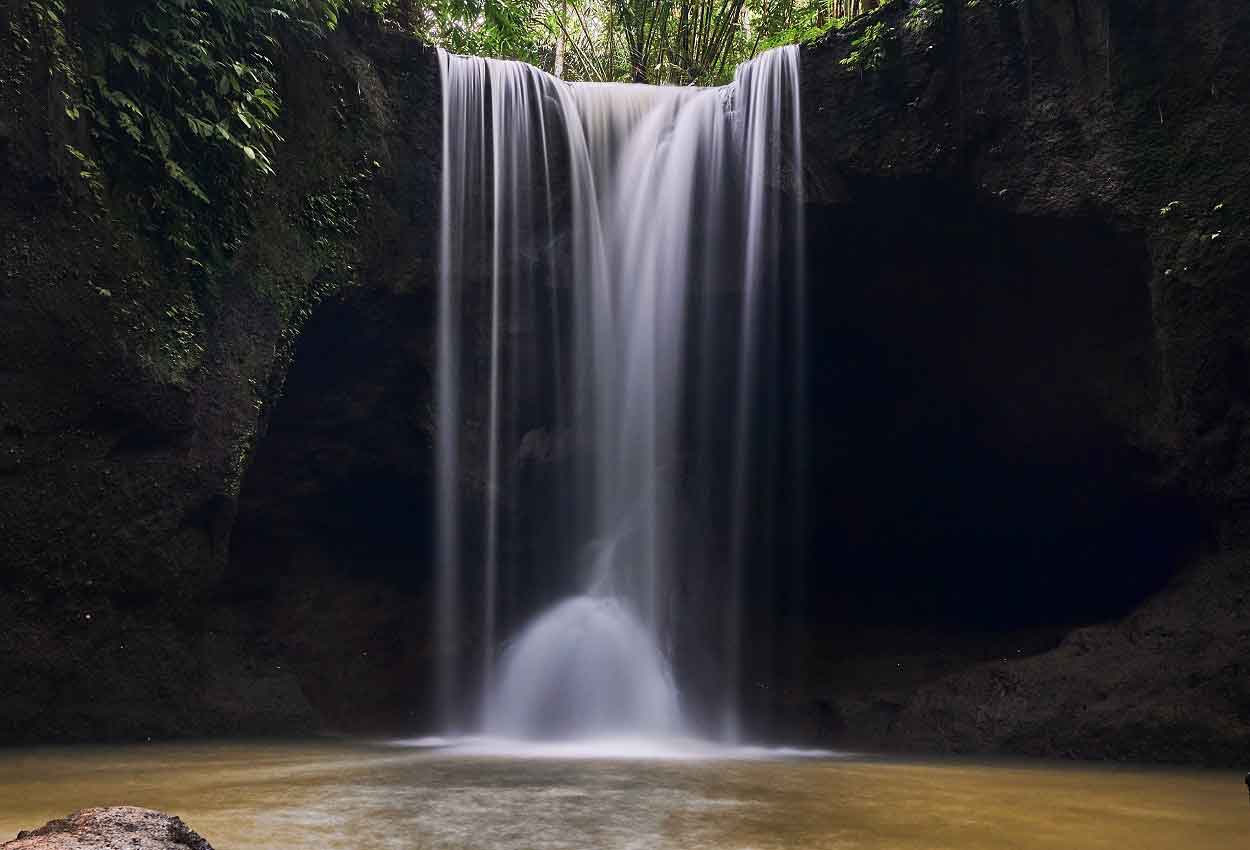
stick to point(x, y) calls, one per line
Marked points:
point(354, 796)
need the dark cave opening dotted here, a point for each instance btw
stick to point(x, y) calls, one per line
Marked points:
point(985, 388)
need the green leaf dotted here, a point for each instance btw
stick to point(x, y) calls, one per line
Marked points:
point(130, 127)
point(160, 135)
point(183, 179)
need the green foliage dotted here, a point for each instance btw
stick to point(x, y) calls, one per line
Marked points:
point(180, 99)
point(89, 173)
point(925, 15)
point(185, 81)
point(337, 210)
point(487, 28)
point(868, 52)
point(512, 29)
point(180, 347)
point(47, 25)
point(807, 23)
point(172, 110)
point(683, 42)
point(332, 217)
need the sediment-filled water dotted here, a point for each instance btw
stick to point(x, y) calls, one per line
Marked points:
point(651, 233)
point(351, 796)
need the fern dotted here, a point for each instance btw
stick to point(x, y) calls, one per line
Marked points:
point(181, 99)
point(868, 52)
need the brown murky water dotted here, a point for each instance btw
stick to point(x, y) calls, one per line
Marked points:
point(324, 795)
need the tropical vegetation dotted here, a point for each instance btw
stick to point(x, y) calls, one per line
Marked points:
point(679, 42)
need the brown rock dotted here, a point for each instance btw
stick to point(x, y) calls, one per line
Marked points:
point(111, 828)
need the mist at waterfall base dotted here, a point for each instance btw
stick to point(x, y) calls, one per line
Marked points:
point(619, 277)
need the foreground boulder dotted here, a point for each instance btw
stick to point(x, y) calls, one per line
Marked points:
point(112, 828)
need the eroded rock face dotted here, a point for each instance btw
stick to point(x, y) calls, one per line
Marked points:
point(1167, 683)
point(112, 828)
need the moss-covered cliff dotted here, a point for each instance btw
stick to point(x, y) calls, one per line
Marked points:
point(134, 394)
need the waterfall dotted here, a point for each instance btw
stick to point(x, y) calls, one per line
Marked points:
point(629, 256)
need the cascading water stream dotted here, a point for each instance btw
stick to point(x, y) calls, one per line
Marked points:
point(640, 203)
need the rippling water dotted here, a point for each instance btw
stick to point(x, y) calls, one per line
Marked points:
point(329, 794)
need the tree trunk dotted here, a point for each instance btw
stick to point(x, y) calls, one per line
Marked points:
point(558, 66)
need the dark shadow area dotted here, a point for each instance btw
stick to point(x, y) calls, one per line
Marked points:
point(984, 392)
point(333, 539)
point(985, 470)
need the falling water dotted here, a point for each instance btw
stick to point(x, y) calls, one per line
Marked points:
point(645, 206)
point(461, 213)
